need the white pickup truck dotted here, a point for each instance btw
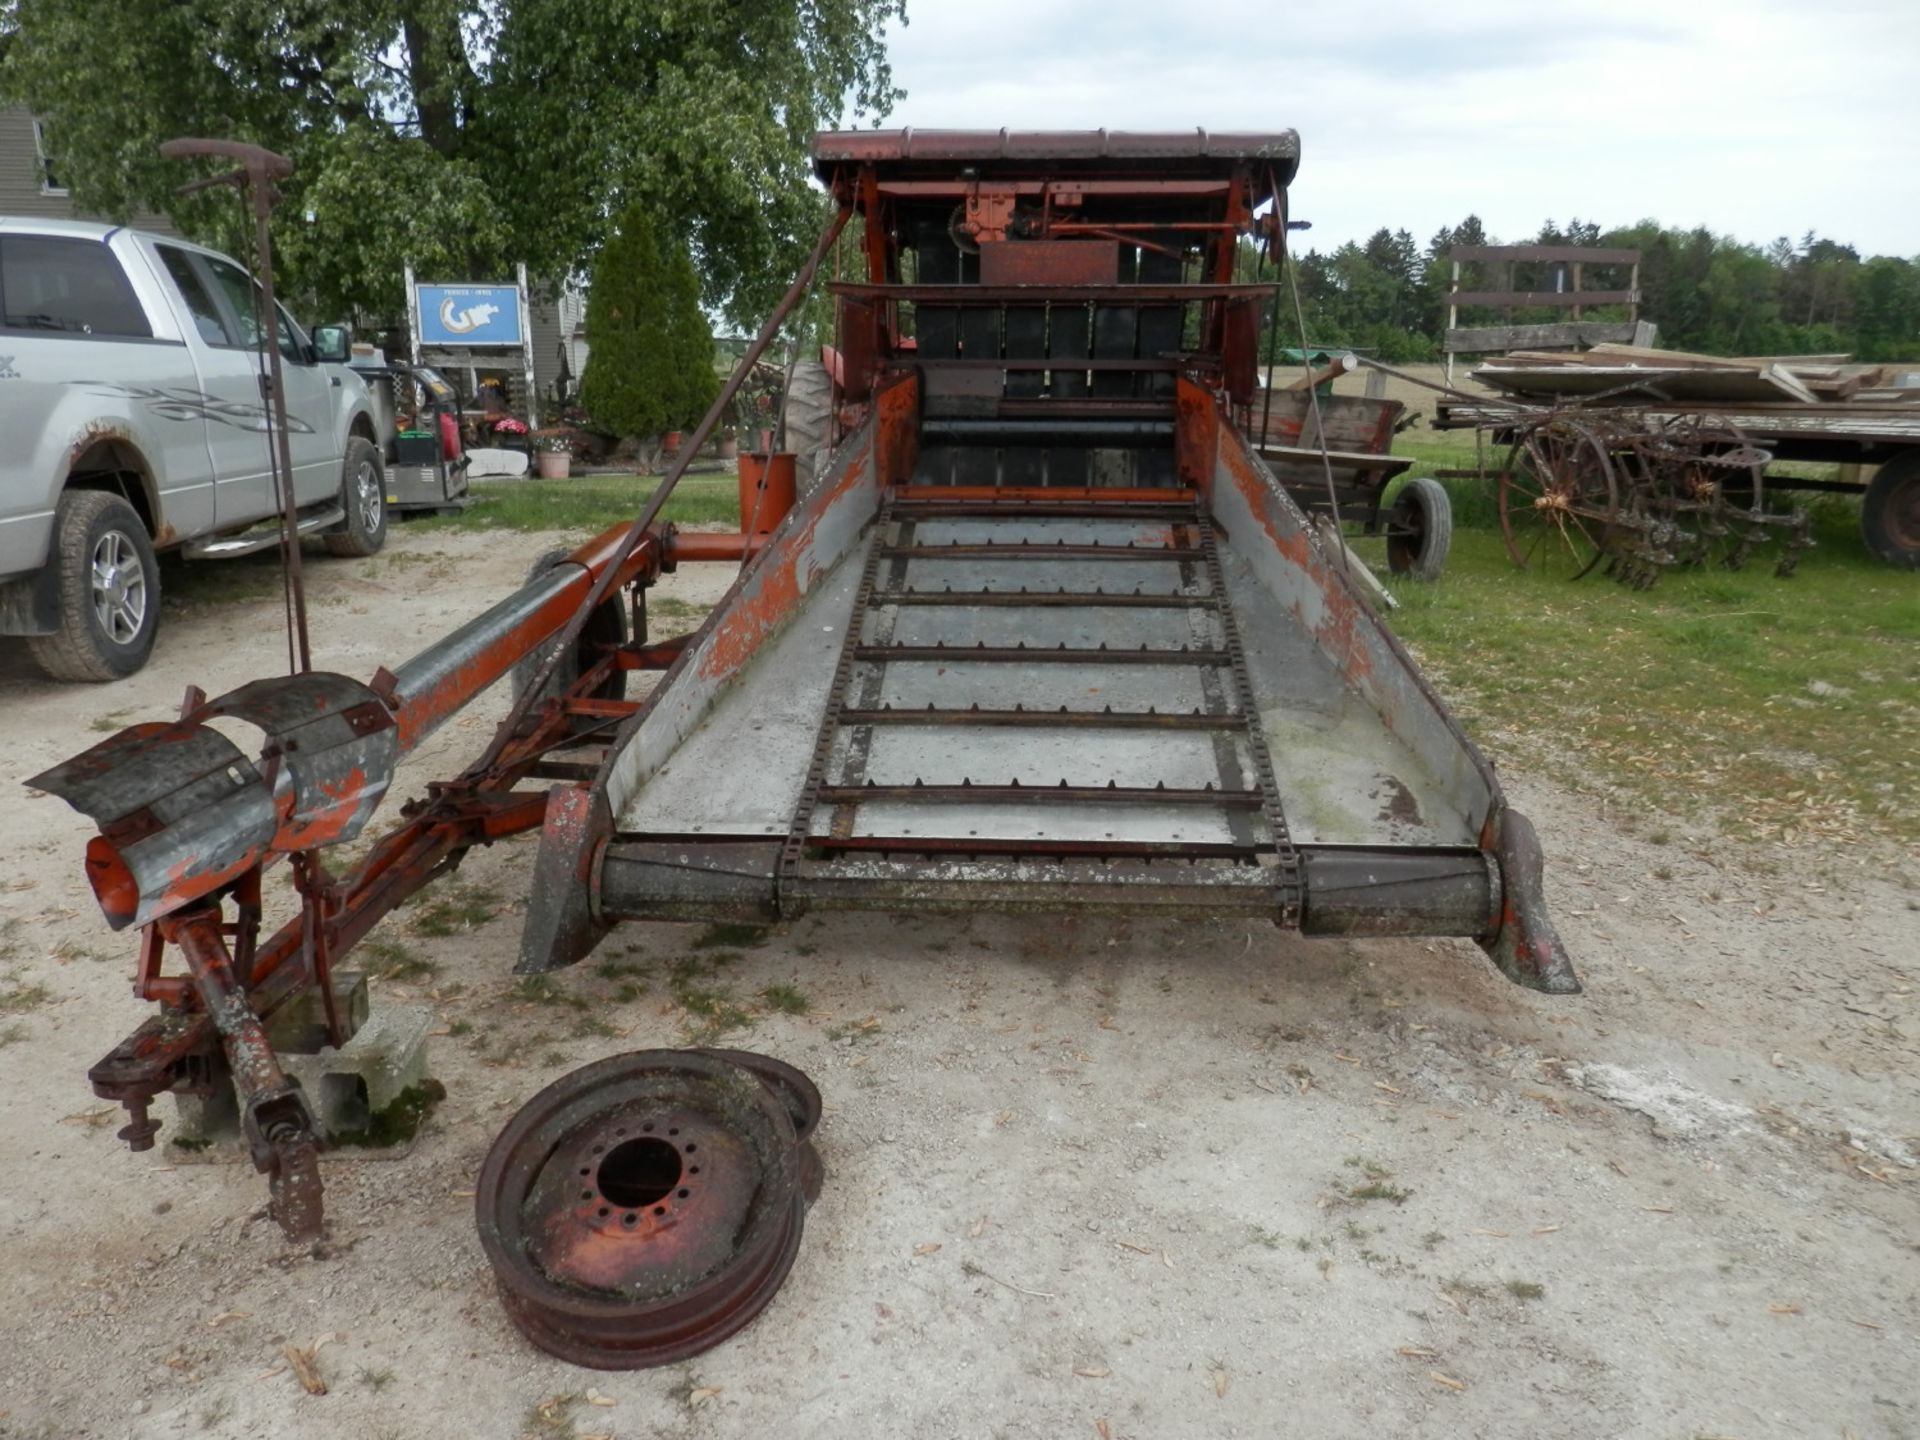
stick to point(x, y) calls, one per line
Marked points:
point(133, 419)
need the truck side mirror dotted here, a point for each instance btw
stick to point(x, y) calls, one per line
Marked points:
point(332, 344)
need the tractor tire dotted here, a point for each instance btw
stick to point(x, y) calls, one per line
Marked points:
point(1890, 511)
point(109, 586)
point(606, 626)
point(805, 418)
point(363, 493)
point(1422, 530)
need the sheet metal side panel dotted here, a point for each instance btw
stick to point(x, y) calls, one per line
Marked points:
point(769, 592)
point(1265, 527)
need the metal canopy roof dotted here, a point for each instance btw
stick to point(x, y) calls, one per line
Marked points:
point(1196, 151)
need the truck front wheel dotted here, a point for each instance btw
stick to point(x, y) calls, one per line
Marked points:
point(363, 491)
point(109, 586)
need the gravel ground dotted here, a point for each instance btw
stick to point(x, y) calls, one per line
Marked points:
point(1085, 1177)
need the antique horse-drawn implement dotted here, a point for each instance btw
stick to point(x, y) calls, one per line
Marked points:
point(1633, 495)
point(1044, 634)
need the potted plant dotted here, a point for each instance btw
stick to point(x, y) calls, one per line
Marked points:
point(509, 433)
point(729, 445)
point(552, 453)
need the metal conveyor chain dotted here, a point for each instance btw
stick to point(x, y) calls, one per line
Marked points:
point(1287, 879)
point(1195, 546)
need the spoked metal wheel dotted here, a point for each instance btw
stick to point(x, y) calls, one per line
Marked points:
point(1559, 500)
point(119, 585)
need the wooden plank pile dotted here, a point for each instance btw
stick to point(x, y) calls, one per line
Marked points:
point(1634, 374)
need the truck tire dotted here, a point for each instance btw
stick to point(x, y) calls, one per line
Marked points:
point(803, 419)
point(606, 626)
point(363, 491)
point(1422, 530)
point(109, 586)
point(1890, 511)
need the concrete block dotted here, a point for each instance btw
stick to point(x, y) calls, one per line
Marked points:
point(300, 1027)
point(385, 1055)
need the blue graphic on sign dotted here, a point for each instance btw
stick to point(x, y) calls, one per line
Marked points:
point(469, 314)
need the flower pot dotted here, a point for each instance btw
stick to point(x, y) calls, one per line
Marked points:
point(729, 447)
point(554, 464)
point(670, 442)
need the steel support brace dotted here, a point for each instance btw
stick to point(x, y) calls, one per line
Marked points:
point(273, 1113)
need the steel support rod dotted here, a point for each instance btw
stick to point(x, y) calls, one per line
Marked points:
point(1046, 599)
point(1039, 795)
point(529, 697)
point(1032, 655)
point(1051, 719)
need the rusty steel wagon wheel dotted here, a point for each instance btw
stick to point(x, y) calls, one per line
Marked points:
point(644, 1208)
point(1559, 500)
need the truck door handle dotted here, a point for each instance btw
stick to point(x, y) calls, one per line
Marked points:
point(334, 381)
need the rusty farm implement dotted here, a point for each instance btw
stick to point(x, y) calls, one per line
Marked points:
point(1044, 633)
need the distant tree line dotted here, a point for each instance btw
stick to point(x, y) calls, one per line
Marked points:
point(1706, 292)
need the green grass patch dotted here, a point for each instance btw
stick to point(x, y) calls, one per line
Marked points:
point(18, 999)
point(399, 1122)
point(391, 960)
point(588, 503)
point(1381, 1190)
point(453, 911)
point(1525, 1289)
point(712, 1009)
point(723, 936)
point(545, 990)
point(1770, 707)
point(668, 607)
point(787, 999)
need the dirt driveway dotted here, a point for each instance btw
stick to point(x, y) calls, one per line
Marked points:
point(1086, 1178)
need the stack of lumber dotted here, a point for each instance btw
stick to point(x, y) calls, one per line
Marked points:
point(1637, 373)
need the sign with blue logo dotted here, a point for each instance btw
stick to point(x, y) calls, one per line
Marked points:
point(469, 315)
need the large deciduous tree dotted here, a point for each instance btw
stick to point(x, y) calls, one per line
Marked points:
point(464, 135)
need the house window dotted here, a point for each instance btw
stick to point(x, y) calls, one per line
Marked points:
point(49, 182)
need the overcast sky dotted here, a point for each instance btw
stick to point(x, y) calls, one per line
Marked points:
point(1756, 118)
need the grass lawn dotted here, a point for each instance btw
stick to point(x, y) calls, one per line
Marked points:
point(588, 502)
point(1777, 708)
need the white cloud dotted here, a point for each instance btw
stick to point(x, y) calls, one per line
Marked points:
point(1755, 118)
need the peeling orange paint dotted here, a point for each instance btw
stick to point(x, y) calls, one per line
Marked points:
point(777, 584)
point(1337, 630)
point(330, 822)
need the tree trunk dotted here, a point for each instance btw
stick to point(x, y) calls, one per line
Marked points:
point(438, 71)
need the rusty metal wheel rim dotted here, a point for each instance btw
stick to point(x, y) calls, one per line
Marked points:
point(800, 1095)
point(1558, 500)
point(604, 1258)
